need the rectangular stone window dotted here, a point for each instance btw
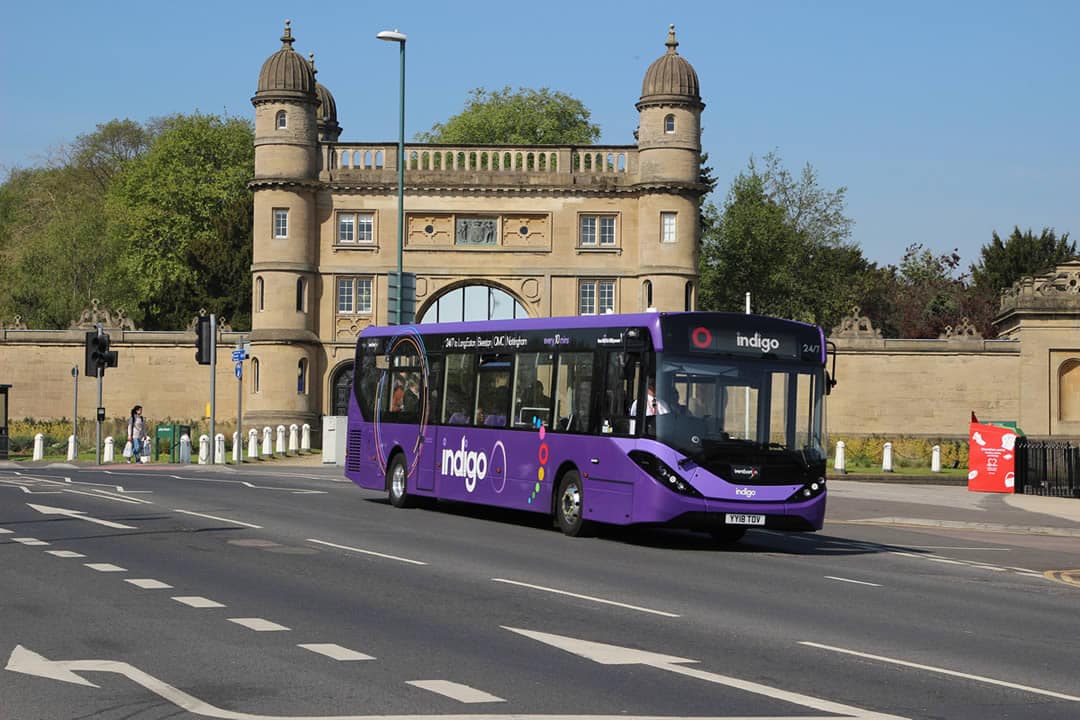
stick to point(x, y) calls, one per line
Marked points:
point(596, 297)
point(667, 227)
point(354, 296)
point(354, 228)
point(597, 231)
point(281, 222)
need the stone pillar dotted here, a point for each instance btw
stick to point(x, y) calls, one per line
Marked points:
point(267, 447)
point(109, 455)
point(204, 449)
point(71, 448)
point(39, 446)
point(294, 441)
point(279, 445)
point(185, 449)
point(305, 438)
point(219, 449)
point(253, 444)
point(886, 458)
point(840, 463)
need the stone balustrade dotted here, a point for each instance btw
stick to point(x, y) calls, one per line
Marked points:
point(377, 162)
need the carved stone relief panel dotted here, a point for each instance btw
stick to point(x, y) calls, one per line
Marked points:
point(429, 230)
point(531, 231)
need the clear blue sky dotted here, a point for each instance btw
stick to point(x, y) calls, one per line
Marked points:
point(945, 120)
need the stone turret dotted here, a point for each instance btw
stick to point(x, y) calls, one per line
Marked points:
point(669, 167)
point(284, 344)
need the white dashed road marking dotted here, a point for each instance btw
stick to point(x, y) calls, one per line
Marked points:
point(197, 602)
point(258, 624)
point(455, 691)
point(29, 541)
point(105, 567)
point(65, 553)
point(366, 552)
point(219, 519)
point(335, 652)
point(585, 597)
point(944, 671)
point(849, 580)
point(148, 584)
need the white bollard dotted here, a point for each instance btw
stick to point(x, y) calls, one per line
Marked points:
point(219, 449)
point(305, 438)
point(294, 439)
point(39, 446)
point(279, 446)
point(267, 446)
point(840, 463)
point(935, 459)
point(253, 444)
point(185, 450)
point(886, 458)
point(71, 448)
point(204, 450)
point(237, 448)
point(109, 455)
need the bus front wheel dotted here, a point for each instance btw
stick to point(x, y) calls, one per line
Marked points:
point(570, 506)
point(396, 483)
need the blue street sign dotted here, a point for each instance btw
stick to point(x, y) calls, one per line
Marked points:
point(239, 370)
point(239, 356)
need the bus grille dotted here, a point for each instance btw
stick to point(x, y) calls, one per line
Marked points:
point(352, 451)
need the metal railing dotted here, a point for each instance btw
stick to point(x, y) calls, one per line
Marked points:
point(1048, 467)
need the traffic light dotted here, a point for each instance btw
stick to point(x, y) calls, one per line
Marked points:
point(204, 335)
point(97, 353)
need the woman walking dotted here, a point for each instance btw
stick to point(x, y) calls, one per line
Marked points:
point(136, 429)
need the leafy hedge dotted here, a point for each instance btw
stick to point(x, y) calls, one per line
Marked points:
point(908, 451)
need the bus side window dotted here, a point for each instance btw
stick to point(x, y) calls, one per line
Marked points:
point(532, 383)
point(493, 391)
point(460, 389)
point(623, 371)
point(573, 392)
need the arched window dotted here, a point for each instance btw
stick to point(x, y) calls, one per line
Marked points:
point(301, 294)
point(669, 125)
point(646, 295)
point(689, 300)
point(260, 295)
point(281, 120)
point(301, 376)
point(1069, 391)
point(474, 302)
point(254, 374)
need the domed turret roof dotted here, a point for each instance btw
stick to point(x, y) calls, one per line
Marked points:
point(285, 72)
point(671, 78)
point(326, 111)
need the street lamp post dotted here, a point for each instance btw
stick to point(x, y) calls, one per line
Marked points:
point(399, 37)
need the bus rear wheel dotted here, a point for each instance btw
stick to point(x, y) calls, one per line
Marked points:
point(570, 506)
point(397, 483)
point(728, 534)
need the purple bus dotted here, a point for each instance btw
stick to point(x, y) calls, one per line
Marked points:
point(707, 421)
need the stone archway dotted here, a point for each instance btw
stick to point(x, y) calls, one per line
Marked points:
point(340, 387)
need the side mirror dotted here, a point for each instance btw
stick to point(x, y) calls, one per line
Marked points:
point(830, 376)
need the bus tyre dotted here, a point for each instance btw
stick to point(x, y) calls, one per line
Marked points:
point(570, 506)
point(728, 534)
point(396, 483)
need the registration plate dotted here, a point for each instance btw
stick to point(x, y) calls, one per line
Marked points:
point(743, 519)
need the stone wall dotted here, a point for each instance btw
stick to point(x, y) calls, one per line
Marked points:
point(154, 369)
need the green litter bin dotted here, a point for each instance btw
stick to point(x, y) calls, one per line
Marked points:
point(167, 441)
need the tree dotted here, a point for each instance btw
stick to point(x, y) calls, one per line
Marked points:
point(183, 212)
point(524, 117)
point(1003, 263)
point(56, 252)
point(791, 258)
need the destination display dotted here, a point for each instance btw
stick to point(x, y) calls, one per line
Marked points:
point(748, 335)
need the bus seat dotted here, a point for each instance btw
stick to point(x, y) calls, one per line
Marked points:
point(495, 421)
point(459, 418)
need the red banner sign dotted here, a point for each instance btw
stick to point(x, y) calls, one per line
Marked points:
point(991, 458)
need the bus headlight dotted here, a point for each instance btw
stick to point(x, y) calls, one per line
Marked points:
point(658, 470)
point(808, 491)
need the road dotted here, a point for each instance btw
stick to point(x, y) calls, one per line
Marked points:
point(285, 592)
